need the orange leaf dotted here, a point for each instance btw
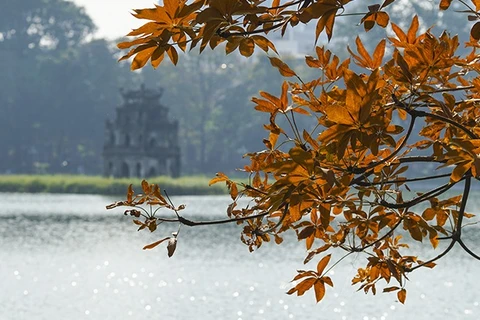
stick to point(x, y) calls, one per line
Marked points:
point(378, 54)
point(445, 4)
point(460, 170)
point(399, 32)
point(232, 45)
point(319, 288)
point(434, 239)
point(412, 32)
point(303, 286)
point(129, 193)
point(247, 47)
point(233, 191)
point(390, 289)
point(402, 295)
point(316, 251)
point(328, 281)
point(264, 106)
point(264, 43)
point(326, 22)
point(477, 4)
point(323, 263)
point(363, 52)
point(146, 187)
point(154, 244)
point(403, 66)
point(142, 57)
point(157, 57)
point(282, 67)
point(429, 214)
point(382, 18)
point(284, 96)
point(173, 55)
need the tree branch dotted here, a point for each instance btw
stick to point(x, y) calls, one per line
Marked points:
point(368, 184)
point(445, 119)
point(470, 252)
point(191, 223)
point(432, 193)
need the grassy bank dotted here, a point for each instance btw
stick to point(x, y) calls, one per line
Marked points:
point(192, 185)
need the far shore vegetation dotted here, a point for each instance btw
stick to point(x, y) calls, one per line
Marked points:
point(80, 184)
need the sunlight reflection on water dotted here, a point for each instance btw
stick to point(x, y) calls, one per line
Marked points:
point(66, 257)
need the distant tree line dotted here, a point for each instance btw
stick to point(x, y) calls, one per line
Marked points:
point(59, 85)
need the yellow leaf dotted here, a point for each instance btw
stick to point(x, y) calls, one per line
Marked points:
point(460, 170)
point(219, 177)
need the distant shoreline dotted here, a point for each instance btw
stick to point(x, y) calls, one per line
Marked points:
point(80, 184)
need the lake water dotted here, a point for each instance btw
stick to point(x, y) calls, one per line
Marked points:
point(66, 257)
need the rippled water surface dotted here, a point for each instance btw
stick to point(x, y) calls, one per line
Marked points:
point(66, 257)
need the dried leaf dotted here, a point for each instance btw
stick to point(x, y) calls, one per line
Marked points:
point(154, 244)
point(475, 32)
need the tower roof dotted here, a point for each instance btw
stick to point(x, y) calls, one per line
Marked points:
point(142, 94)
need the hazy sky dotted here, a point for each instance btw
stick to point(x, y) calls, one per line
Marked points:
point(113, 17)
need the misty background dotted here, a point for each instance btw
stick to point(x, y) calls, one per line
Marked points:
point(60, 84)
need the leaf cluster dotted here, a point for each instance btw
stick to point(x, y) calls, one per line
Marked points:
point(344, 183)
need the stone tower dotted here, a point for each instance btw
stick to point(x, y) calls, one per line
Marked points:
point(141, 141)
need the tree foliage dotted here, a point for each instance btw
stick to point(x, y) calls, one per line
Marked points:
point(348, 180)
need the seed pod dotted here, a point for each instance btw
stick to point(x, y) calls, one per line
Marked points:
point(172, 244)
